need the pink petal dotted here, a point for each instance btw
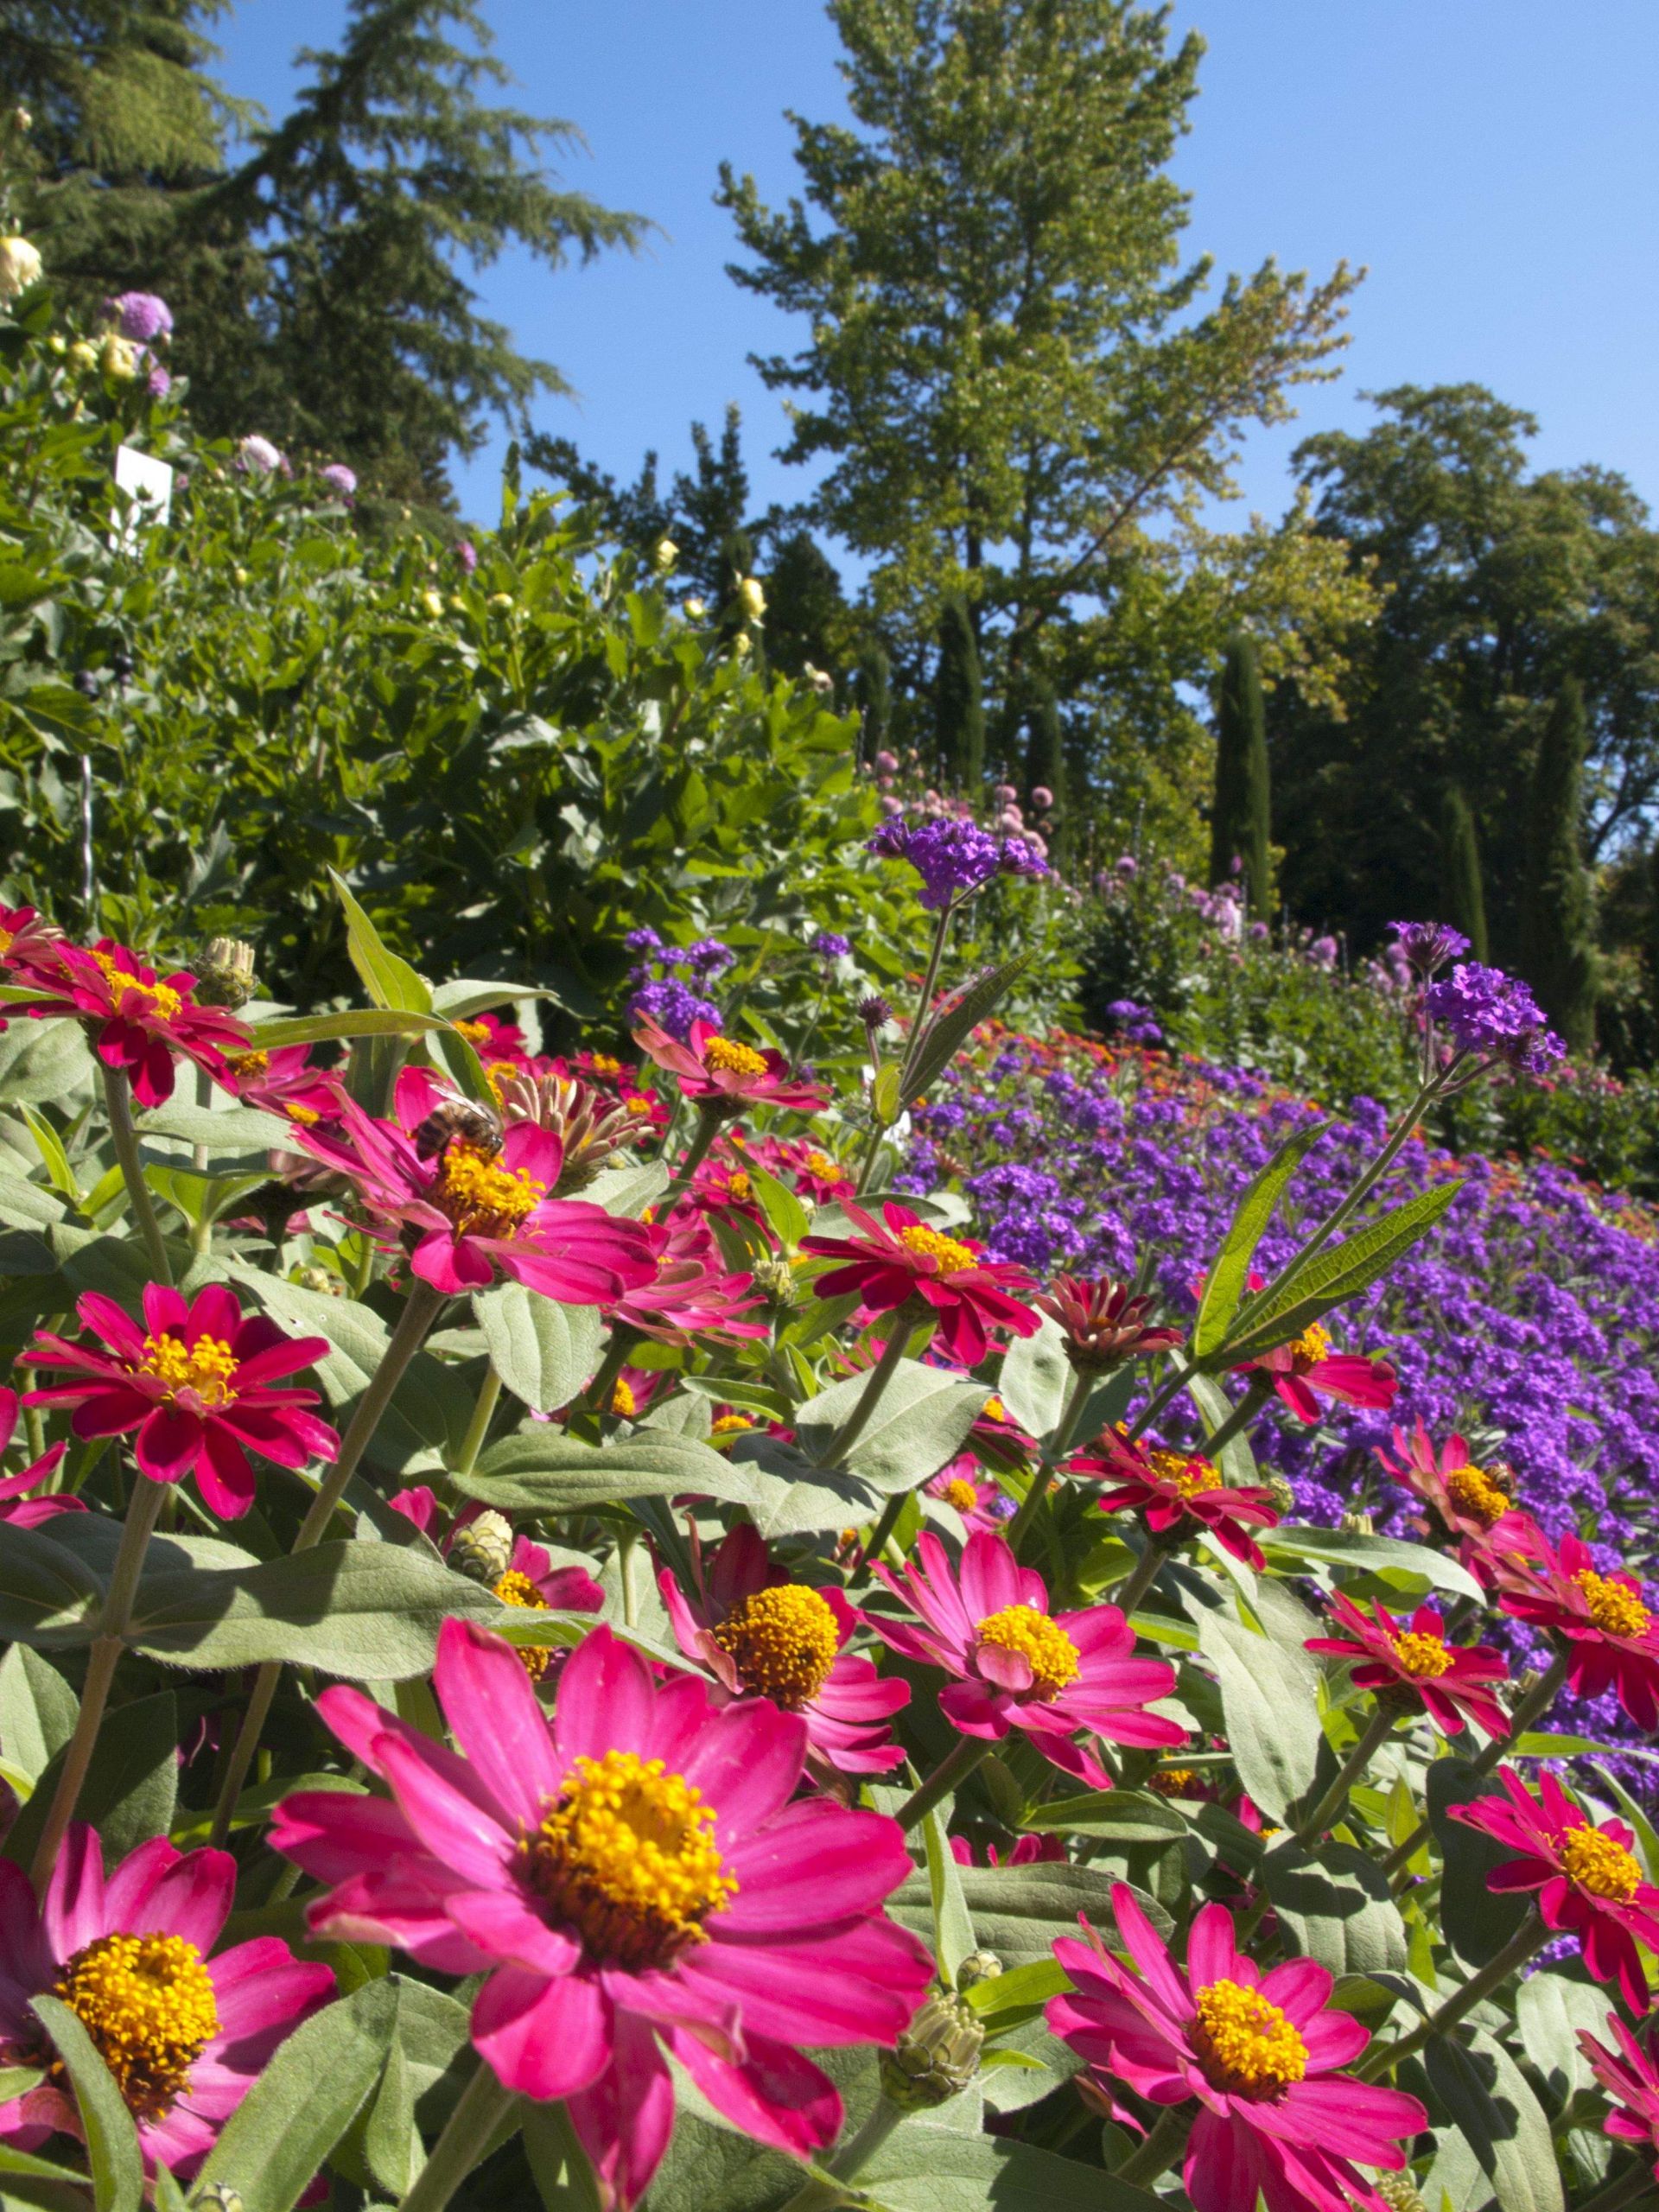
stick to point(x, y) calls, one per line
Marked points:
point(624, 2120)
point(477, 1844)
point(814, 1865)
point(605, 1701)
point(504, 1925)
point(775, 2095)
point(490, 1705)
point(168, 1443)
point(544, 2037)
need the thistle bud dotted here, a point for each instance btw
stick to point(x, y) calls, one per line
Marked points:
point(874, 1012)
point(224, 974)
point(978, 1966)
point(482, 1551)
point(936, 2057)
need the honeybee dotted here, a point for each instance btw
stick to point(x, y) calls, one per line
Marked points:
point(462, 1119)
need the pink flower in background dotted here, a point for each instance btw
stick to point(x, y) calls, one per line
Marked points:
point(1306, 1370)
point(1632, 2082)
point(637, 1879)
point(900, 1258)
point(137, 1021)
point(691, 1295)
point(1180, 1490)
point(1411, 1662)
point(1604, 1619)
point(18, 1504)
point(722, 1072)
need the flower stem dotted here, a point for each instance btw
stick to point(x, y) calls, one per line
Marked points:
point(1142, 1575)
point(1054, 1451)
point(884, 1527)
point(479, 2110)
point(1243, 1414)
point(709, 1127)
point(1627, 2188)
point(1372, 1737)
point(420, 1309)
point(953, 1768)
point(819, 2195)
point(117, 1105)
point(1158, 2152)
point(880, 1375)
point(1531, 1936)
point(477, 1428)
point(142, 1512)
point(598, 1393)
point(918, 1023)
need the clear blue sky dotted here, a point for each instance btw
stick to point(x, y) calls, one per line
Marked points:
point(1494, 162)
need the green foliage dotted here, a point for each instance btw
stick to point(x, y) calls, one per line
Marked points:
point(873, 693)
point(958, 699)
point(1558, 917)
point(806, 614)
point(1240, 822)
point(1463, 896)
point(1047, 768)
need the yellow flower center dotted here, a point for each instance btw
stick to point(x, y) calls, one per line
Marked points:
point(623, 1404)
point(305, 1116)
point(1307, 1352)
point(1474, 1492)
point(928, 1245)
point(739, 1187)
point(474, 1031)
point(1176, 1781)
point(1423, 1656)
point(1189, 1475)
point(637, 1105)
point(248, 1067)
point(1613, 1606)
point(208, 1367)
point(729, 1424)
point(513, 1588)
point(603, 1066)
point(1247, 2045)
point(159, 999)
point(147, 2003)
point(993, 1410)
point(731, 1058)
point(482, 1196)
point(816, 1163)
point(961, 1493)
point(1596, 1863)
point(784, 1641)
point(1054, 1656)
point(6, 942)
point(626, 1854)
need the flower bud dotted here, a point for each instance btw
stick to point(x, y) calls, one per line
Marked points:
point(937, 2056)
point(20, 266)
point(775, 1280)
point(1397, 2191)
point(695, 609)
point(664, 554)
point(225, 974)
point(217, 2196)
point(752, 599)
point(483, 1549)
point(978, 1966)
point(83, 354)
point(1357, 1524)
point(433, 602)
point(1283, 1496)
point(321, 1279)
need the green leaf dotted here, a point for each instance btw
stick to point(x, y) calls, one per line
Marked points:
point(1117, 1815)
point(132, 1785)
point(955, 1021)
point(303, 2102)
point(1336, 1908)
point(1269, 1696)
point(626, 1191)
point(49, 1145)
point(1495, 2111)
point(355, 1021)
point(539, 1471)
point(368, 1611)
point(953, 1927)
point(1550, 2012)
point(1016, 1990)
point(460, 1057)
point(1374, 1554)
point(786, 1216)
point(1020, 1912)
point(227, 1129)
point(884, 1094)
point(542, 1351)
point(921, 1422)
point(37, 1712)
point(1477, 1920)
point(923, 2167)
point(389, 981)
point(1236, 1461)
point(16, 2082)
point(559, 2168)
point(47, 1598)
point(112, 2152)
point(1224, 1285)
point(1036, 1379)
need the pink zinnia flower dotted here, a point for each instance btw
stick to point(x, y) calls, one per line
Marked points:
point(723, 1073)
point(283, 1081)
point(1632, 2082)
point(136, 1020)
point(185, 2035)
point(1589, 1881)
point(1413, 1662)
point(631, 1880)
point(691, 1297)
point(1017, 1665)
point(25, 939)
point(17, 1504)
point(503, 1043)
point(1260, 2053)
point(980, 1504)
point(528, 1580)
point(896, 1260)
point(196, 1382)
point(817, 1176)
point(466, 1213)
point(1470, 1500)
point(1180, 1491)
point(1602, 1619)
point(761, 1635)
point(1029, 1850)
point(1306, 1370)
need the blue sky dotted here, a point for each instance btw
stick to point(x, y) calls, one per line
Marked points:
point(1494, 162)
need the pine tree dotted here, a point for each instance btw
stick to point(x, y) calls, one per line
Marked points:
point(1045, 765)
point(873, 694)
point(958, 702)
point(1241, 820)
point(1557, 912)
point(1463, 897)
point(805, 607)
point(711, 505)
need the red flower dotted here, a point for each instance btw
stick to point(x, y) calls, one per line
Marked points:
point(467, 1214)
point(725, 1074)
point(495, 1040)
point(817, 1176)
point(888, 1266)
point(1632, 2082)
point(1306, 1370)
point(1588, 1880)
point(1612, 1635)
point(1260, 2053)
point(761, 1635)
point(17, 1504)
point(1105, 1323)
point(1471, 1501)
point(1414, 1663)
point(1055, 1676)
point(137, 1021)
point(283, 1082)
point(1180, 1490)
point(195, 1382)
point(26, 941)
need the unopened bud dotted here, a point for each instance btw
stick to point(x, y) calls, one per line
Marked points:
point(1357, 1524)
point(1397, 2191)
point(320, 1279)
point(1283, 1496)
point(483, 1549)
point(775, 1280)
point(217, 2196)
point(936, 2057)
point(978, 1966)
point(225, 975)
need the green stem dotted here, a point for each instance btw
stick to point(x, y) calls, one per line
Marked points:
point(1160, 2150)
point(1529, 1937)
point(1163, 1396)
point(1627, 2188)
point(117, 1105)
point(1144, 1574)
point(1372, 1737)
point(880, 1375)
point(142, 1513)
point(477, 1428)
point(479, 2110)
point(952, 1769)
point(420, 1309)
point(918, 1023)
point(598, 1393)
point(1538, 1701)
point(1243, 1414)
point(709, 1127)
point(819, 2195)
point(1054, 1451)
point(884, 1527)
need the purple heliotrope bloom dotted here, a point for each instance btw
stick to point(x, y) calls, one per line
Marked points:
point(1429, 946)
point(954, 858)
point(1496, 1015)
point(829, 944)
point(140, 317)
point(673, 1006)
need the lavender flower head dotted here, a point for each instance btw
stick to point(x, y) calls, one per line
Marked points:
point(1429, 946)
point(1024, 857)
point(157, 382)
point(140, 317)
point(874, 1012)
point(706, 958)
point(953, 858)
point(675, 1005)
point(829, 944)
point(1488, 1012)
point(341, 480)
point(467, 554)
point(643, 939)
point(257, 457)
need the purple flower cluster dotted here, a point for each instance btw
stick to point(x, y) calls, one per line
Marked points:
point(955, 857)
point(673, 1004)
point(1426, 946)
point(829, 944)
point(140, 317)
point(671, 979)
point(1496, 1015)
point(1134, 1023)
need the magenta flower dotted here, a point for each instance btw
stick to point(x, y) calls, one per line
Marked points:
point(1470, 1500)
point(692, 1296)
point(1632, 2081)
point(1260, 2052)
point(184, 2034)
point(18, 1504)
point(26, 941)
point(196, 1383)
point(283, 1081)
point(1055, 1676)
point(1603, 1620)
point(631, 1880)
point(1307, 1369)
point(466, 1213)
point(897, 1259)
point(1180, 1491)
point(1412, 1663)
point(722, 1072)
point(761, 1635)
point(136, 1020)
point(1589, 1881)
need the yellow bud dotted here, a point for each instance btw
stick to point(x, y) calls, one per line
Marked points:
point(752, 599)
point(433, 602)
point(119, 357)
point(20, 266)
point(664, 554)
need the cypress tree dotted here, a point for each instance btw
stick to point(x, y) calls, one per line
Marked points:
point(1462, 896)
point(874, 692)
point(958, 701)
point(1045, 765)
point(1557, 916)
point(1240, 822)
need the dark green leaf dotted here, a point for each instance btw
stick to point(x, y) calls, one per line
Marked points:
point(1494, 2109)
point(955, 1021)
point(47, 1598)
point(541, 1471)
point(131, 1786)
point(389, 981)
point(1336, 1908)
point(1036, 1379)
point(112, 2151)
point(1477, 1920)
point(1224, 1285)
